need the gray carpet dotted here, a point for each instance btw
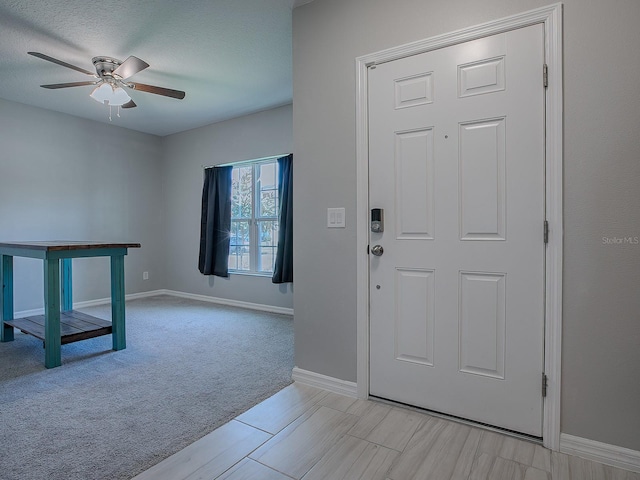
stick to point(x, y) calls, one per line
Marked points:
point(188, 368)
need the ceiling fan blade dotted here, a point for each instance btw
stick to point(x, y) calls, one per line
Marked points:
point(60, 62)
point(129, 104)
point(130, 67)
point(67, 85)
point(167, 92)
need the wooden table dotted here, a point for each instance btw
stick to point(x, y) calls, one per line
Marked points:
point(56, 328)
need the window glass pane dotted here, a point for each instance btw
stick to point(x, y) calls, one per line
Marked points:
point(239, 258)
point(268, 242)
point(239, 233)
point(268, 203)
point(233, 234)
point(241, 191)
point(268, 190)
point(268, 177)
point(266, 259)
point(244, 259)
point(268, 230)
point(233, 258)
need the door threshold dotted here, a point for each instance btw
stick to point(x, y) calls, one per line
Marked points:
point(464, 421)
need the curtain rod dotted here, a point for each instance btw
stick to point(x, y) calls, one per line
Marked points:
point(246, 161)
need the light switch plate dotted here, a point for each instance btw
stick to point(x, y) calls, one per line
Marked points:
point(336, 218)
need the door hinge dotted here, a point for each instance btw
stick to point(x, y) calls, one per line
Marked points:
point(367, 249)
point(546, 232)
point(545, 75)
point(544, 384)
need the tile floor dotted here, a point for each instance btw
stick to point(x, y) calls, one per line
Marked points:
point(311, 434)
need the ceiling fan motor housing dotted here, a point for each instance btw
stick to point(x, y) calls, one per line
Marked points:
point(105, 66)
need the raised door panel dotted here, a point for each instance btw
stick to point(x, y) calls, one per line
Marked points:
point(484, 76)
point(415, 316)
point(482, 316)
point(414, 182)
point(413, 91)
point(482, 180)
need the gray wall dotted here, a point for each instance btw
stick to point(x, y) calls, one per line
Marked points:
point(66, 178)
point(601, 336)
point(184, 154)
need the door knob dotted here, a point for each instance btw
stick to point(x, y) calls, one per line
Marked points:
point(377, 250)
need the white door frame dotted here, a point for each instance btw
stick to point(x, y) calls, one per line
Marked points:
point(551, 18)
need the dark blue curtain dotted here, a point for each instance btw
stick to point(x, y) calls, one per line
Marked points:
point(283, 271)
point(215, 225)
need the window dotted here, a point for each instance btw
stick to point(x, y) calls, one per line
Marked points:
point(254, 217)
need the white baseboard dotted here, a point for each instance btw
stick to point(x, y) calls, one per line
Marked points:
point(153, 293)
point(232, 303)
point(600, 452)
point(130, 296)
point(318, 380)
point(28, 313)
point(90, 303)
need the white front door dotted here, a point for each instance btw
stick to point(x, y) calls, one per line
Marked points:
point(456, 162)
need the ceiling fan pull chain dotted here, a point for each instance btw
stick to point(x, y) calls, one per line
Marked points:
point(118, 114)
point(109, 112)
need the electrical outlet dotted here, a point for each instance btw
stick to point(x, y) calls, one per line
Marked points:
point(145, 275)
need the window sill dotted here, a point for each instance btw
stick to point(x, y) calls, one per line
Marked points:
point(250, 274)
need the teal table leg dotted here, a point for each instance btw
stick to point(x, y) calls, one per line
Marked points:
point(52, 356)
point(117, 302)
point(67, 285)
point(6, 299)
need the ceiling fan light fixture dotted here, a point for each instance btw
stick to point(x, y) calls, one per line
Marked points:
point(110, 95)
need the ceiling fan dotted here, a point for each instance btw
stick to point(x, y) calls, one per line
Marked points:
point(110, 78)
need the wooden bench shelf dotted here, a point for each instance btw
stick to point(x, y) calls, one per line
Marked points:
point(74, 326)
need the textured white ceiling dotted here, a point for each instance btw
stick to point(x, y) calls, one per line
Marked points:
point(231, 57)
